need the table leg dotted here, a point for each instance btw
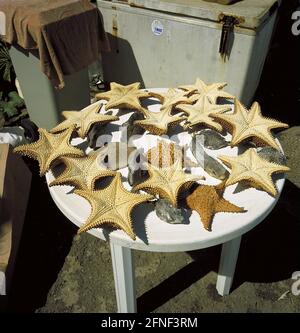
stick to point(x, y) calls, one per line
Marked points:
point(123, 269)
point(2, 283)
point(229, 255)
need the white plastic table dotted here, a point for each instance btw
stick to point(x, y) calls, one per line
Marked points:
point(227, 228)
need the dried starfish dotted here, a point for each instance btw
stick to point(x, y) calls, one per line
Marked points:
point(123, 96)
point(83, 120)
point(49, 147)
point(167, 182)
point(158, 122)
point(246, 124)
point(253, 169)
point(165, 154)
point(171, 98)
point(112, 205)
point(208, 200)
point(82, 172)
point(211, 91)
point(199, 113)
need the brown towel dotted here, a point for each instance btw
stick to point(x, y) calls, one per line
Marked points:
point(66, 35)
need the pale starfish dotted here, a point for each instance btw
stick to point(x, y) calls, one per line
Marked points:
point(199, 113)
point(83, 120)
point(208, 200)
point(112, 205)
point(211, 91)
point(171, 98)
point(50, 147)
point(253, 169)
point(167, 182)
point(158, 122)
point(82, 172)
point(246, 124)
point(123, 96)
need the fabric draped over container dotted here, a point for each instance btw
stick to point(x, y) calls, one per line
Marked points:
point(66, 35)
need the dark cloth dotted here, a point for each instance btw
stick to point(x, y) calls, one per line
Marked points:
point(66, 35)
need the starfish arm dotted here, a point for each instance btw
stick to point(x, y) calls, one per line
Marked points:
point(189, 88)
point(157, 190)
point(265, 138)
point(96, 119)
point(204, 120)
point(206, 217)
point(222, 94)
point(225, 206)
point(124, 103)
point(103, 96)
point(71, 119)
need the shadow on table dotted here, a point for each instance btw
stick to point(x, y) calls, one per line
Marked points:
point(268, 253)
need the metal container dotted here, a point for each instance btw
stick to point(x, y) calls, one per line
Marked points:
point(172, 42)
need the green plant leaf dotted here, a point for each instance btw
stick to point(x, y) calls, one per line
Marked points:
point(6, 67)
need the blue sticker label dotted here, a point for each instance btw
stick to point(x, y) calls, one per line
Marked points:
point(157, 27)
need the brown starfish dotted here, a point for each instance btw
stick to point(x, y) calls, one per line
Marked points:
point(50, 147)
point(83, 120)
point(246, 124)
point(82, 172)
point(211, 91)
point(112, 205)
point(208, 200)
point(250, 167)
point(167, 182)
point(123, 96)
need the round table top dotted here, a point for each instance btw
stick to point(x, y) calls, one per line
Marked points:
point(154, 234)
